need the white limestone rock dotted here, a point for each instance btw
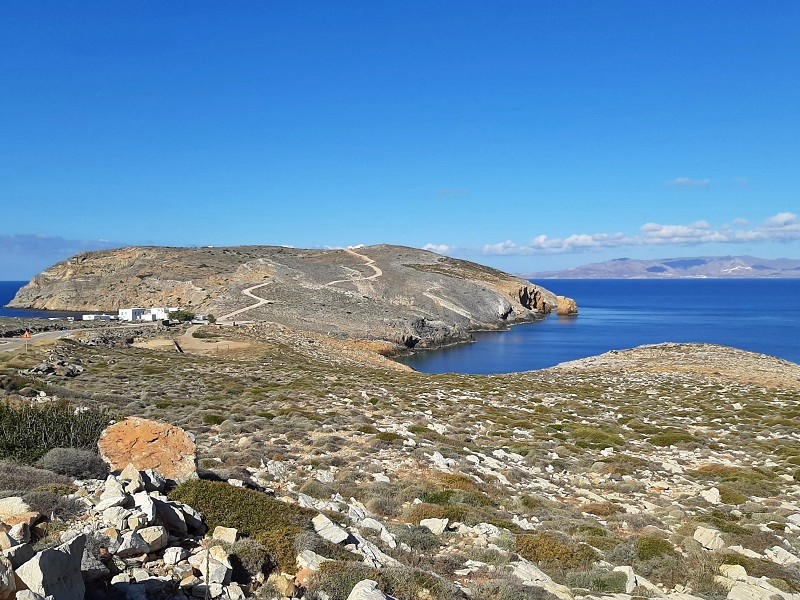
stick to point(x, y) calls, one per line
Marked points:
point(366, 589)
point(437, 526)
point(328, 530)
point(56, 571)
point(710, 539)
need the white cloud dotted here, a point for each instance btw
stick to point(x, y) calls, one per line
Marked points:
point(438, 248)
point(782, 227)
point(688, 182)
point(781, 220)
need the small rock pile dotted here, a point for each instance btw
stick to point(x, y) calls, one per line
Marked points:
point(57, 365)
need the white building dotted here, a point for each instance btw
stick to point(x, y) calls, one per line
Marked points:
point(155, 313)
point(162, 312)
point(103, 317)
point(131, 314)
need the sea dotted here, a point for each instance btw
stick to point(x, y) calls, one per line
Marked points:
point(8, 289)
point(759, 315)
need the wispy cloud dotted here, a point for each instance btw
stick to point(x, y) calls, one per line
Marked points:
point(451, 192)
point(782, 227)
point(688, 182)
point(48, 246)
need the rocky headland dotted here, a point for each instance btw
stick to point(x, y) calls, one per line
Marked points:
point(405, 296)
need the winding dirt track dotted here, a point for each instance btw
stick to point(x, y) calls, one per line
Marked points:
point(368, 262)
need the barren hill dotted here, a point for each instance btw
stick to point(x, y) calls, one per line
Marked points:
point(403, 295)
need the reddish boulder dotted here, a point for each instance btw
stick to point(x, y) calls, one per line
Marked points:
point(147, 444)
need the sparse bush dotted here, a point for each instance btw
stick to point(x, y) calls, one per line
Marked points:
point(22, 478)
point(52, 505)
point(419, 538)
point(416, 512)
point(554, 551)
point(602, 509)
point(728, 495)
point(510, 588)
point(609, 582)
point(270, 522)
point(595, 437)
point(650, 547)
point(27, 432)
point(671, 437)
point(213, 419)
point(83, 464)
point(336, 579)
point(248, 559)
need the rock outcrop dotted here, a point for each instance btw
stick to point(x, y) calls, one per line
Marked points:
point(149, 445)
point(566, 307)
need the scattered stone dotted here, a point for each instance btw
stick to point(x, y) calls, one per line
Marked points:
point(155, 537)
point(12, 507)
point(225, 534)
point(712, 496)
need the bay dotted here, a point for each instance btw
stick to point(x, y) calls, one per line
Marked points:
point(759, 315)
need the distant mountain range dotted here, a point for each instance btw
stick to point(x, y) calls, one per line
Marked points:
point(718, 267)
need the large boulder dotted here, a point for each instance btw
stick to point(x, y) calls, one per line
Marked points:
point(56, 571)
point(566, 307)
point(147, 444)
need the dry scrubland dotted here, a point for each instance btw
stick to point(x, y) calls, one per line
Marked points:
point(633, 459)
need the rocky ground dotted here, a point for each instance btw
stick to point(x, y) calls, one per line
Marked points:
point(664, 471)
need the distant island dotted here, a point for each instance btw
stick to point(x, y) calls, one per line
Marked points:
point(702, 267)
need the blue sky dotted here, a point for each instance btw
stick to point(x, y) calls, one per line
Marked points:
point(612, 129)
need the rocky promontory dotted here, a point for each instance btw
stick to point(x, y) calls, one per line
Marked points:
point(409, 297)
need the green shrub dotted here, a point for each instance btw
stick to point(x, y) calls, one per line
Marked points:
point(272, 523)
point(27, 432)
point(671, 437)
point(83, 464)
point(553, 550)
point(416, 512)
point(449, 497)
point(649, 547)
point(595, 437)
point(728, 495)
point(608, 582)
point(213, 419)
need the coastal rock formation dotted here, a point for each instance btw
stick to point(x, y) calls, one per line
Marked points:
point(406, 296)
point(147, 444)
point(566, 307)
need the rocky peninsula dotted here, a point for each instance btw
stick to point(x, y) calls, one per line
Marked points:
point(403, 296)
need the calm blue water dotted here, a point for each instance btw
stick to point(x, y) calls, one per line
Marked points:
point(760, 315)
point(7, 291)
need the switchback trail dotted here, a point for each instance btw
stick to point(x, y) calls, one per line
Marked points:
point(368, 262)
point(249, 292)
